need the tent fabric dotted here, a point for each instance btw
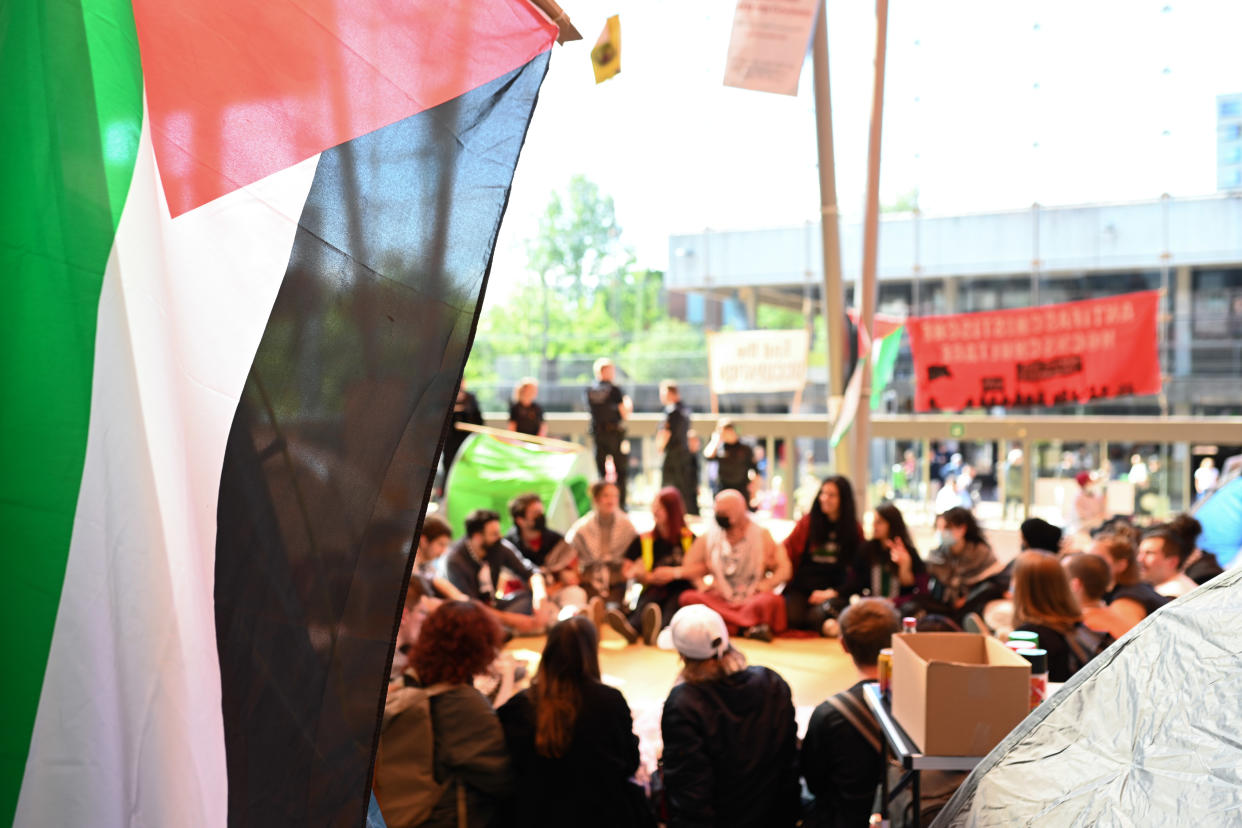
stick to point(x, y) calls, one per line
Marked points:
point(1146, 734)
point(490, 471)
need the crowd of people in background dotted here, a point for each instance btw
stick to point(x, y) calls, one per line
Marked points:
point(563, 751)
point(730, 747)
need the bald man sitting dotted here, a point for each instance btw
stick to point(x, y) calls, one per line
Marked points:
point(736, 566)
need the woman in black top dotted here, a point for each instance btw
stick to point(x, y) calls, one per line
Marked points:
point(526, 415)
point(655, 560)
point(823, 548)
point(889, 566)
point(571, 739)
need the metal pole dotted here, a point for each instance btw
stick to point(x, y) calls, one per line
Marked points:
point(871, 235)
point(834, 298)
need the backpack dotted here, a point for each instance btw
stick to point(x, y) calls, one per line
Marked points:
point(1085, 644)
point(935, 787)
point(405, 782)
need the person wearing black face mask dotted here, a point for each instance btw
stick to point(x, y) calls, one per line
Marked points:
point(530, 532)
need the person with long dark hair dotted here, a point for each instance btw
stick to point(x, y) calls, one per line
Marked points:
point(823, 548)
point(655, 560)
point(572, 740)
point(889, 566)
point(964, 566)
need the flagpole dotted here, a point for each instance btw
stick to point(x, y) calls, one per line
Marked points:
point(834, 299)
point(867, 285)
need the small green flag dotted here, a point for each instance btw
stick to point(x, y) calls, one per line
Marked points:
point(883, 360)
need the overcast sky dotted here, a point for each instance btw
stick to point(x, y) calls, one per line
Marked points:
point(988, 105)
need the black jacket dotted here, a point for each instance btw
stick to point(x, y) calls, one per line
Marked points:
point(590, 784)
point(730, 752)
point(463, 570)
point(841, 766)
point(549, 541)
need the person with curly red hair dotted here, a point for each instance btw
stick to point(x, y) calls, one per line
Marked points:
point(457, 642)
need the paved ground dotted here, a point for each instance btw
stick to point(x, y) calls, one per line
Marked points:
point(815, 668)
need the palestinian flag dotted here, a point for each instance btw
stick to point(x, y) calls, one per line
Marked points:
point(244, 246)
point(884, 354)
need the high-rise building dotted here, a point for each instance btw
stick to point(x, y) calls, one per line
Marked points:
point(1229, 141)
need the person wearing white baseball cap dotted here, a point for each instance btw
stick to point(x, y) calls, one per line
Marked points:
point(697, 632)
point(730, 740)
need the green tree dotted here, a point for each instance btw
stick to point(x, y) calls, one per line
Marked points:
point(582, 296)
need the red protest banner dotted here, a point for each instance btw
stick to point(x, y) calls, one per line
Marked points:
point(1050, 355)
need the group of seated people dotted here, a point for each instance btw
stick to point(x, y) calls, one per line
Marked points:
point(563, 752)
point(634, 582)
point(1078, 594)
point(565, 747)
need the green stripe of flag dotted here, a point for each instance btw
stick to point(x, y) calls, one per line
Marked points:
point(883, 360)
point(71, 114)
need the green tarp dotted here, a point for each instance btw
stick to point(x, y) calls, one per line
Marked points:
point(490, 471)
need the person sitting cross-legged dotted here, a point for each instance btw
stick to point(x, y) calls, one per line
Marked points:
point(655, 560)
point(746, 566)
point(474, 565)
point(600, 538)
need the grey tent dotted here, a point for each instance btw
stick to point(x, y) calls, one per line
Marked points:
point(1148, 733)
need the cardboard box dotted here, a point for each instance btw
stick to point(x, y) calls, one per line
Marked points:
point(957, 694)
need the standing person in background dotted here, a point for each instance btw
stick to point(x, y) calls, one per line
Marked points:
point(823, 550)
point(1205, 477)
point(526, 415)
point(735, 461)
point(673, 439)
point(1087, 509)
point(1013, 484)
point(572, 740)
point(609, 408)
point(465, 410)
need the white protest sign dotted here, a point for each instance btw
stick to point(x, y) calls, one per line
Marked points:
point(757, 361)
point(769, 43)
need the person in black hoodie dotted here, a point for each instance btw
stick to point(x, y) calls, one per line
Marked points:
point(730, 741)
point(572, 740)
